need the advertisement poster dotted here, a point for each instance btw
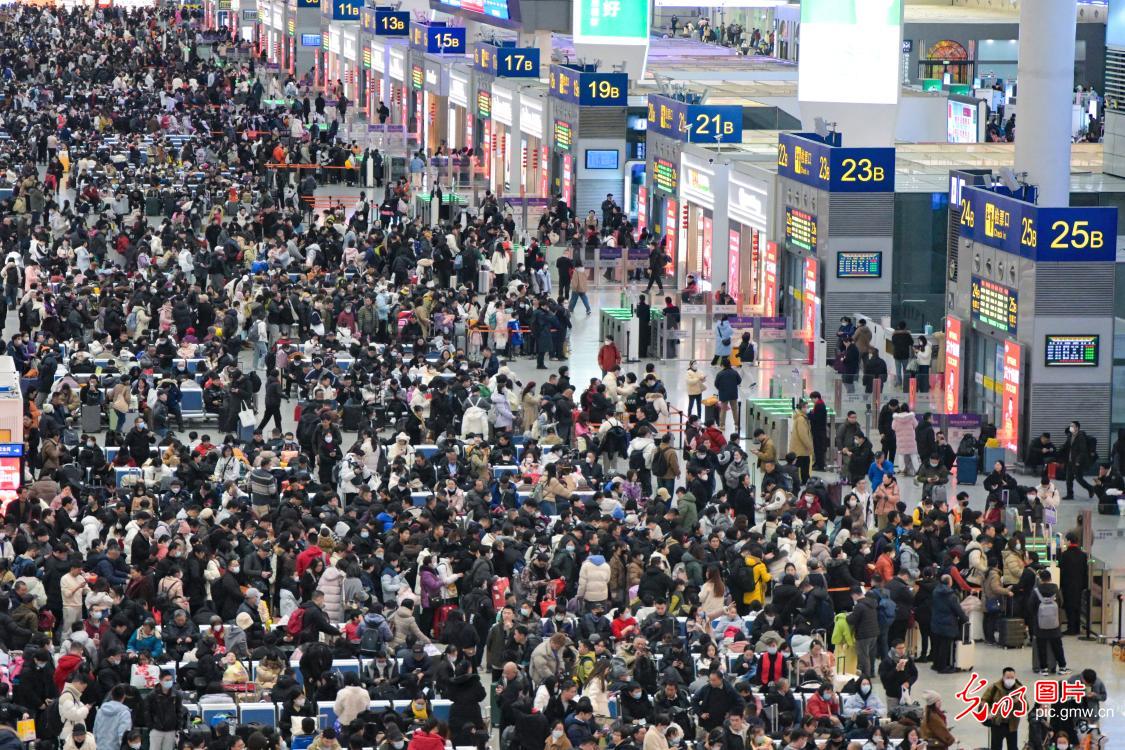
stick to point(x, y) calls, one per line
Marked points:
point(770, 290)
point(734, 249)
point(708, 246)
point(567, 177)
point(850, 51)
point(642, 208)
point(670, 233)
point(1009, 431)
point(952, 366)
point(544, 160)
point(811, 299)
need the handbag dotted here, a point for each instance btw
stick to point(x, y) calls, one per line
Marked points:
point(726, 342)
point(992, 605)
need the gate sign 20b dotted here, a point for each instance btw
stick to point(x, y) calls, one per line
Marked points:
point(695, 123)
point(837, 169)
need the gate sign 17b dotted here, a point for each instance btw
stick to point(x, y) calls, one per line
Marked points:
point(695, 123)
point(1043, 234)
point(837, 169)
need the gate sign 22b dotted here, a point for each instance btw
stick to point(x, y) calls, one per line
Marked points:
point(695, 123)
point(837, 169)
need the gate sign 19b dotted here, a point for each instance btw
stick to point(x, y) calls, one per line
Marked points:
point(589, 88)
point(695, 123)
point(837, 169)
point(1041, 234)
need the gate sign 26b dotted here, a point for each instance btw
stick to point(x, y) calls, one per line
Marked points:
point(695, 123)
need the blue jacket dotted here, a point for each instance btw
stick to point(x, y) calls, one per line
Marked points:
point(946, 615)
point(876, 471)
point(114, 719)
point(108, 570)
point(723, 332)
point(152, 644)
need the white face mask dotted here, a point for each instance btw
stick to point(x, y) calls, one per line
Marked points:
point(1009, 682)
point(556, 734)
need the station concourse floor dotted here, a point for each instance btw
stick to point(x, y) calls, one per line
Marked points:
point(584, 345)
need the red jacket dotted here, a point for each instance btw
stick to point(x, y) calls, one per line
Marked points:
point(305, 558)
point(426, 741)
point(713, 438)
point(771, 668)
point(819, 708)
point(68, 664)
point(609, 356)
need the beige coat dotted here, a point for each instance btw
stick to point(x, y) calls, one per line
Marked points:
point(800, 438)
point(579, 281)
point(72, 588)
point(404, 627)
point(351, 701)
point(696, 382)
point(593, 581)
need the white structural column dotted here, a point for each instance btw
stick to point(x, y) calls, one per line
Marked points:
point(1044, 96)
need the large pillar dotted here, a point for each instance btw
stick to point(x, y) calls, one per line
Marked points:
point(1045, 94)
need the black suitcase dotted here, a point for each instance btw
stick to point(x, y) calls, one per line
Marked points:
point(353, 417)
point(1109, 509)
point(711, 413)
point(1052, 663)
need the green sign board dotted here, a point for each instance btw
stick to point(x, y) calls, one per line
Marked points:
point(611, 22)
point(961, 89)
point(931, 84)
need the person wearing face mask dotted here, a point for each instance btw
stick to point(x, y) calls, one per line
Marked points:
point(298, 708)
point(164, 707)
point(393, 739)
point(113, 720)
point(557, 739)
point(1002, 729)
point(824, 705)
point(863, 702)
point(634, 705)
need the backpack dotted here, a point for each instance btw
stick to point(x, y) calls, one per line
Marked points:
point(371, 642)
point(254, 335)
point(50, 723)
point(637, 460)
point(659, 464)
point(1047, 618)
point(296, 622)
point(887, 610)
point(539, 491)
point(967, 446)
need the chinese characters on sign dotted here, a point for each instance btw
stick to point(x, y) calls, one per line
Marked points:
point(1015, 703)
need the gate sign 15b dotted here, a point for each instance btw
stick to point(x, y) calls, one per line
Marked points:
point(695, 123)
point(837, 169)
point(1043, 234)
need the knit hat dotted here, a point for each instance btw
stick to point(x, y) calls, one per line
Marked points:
point(930, 697)
point(243, 620)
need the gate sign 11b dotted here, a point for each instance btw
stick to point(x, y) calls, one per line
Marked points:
point(695, 123)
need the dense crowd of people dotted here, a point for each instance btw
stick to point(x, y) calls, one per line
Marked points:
point(543, 564)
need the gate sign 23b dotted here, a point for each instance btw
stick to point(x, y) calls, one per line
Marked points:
point(837, 169)
point(695, 123)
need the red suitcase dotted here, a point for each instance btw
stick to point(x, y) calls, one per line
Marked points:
point(500, 593)
point(441, 614)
